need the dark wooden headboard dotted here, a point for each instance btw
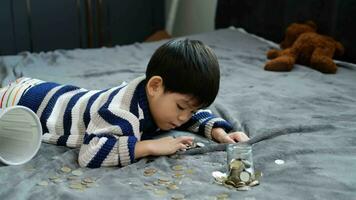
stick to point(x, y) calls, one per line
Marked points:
point(43, 25)
point(269, 18)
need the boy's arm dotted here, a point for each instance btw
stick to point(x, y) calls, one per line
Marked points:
point(203, 122)
point(112, 140)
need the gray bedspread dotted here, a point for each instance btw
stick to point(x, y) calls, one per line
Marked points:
point(306, 118)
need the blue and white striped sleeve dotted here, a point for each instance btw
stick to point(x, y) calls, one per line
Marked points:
point(109, 140)
point(203, 121)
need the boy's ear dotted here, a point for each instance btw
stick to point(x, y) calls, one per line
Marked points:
point(154, 85)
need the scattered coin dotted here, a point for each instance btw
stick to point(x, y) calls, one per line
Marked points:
point(178, 175)
point(200, 144)
point(219, 177)
point(77, 172)
point(53, 177)
point(58, 180)
point(66, 169)
point(177, 167)
point(160, 192)
point(149, 172)
point(222, 196)
point(42, 183)
point(77, 186)
point(89, 185)
point(177, 197)
point(163, 181)
point(88, 180)
point(172, 186)
point(279, 162)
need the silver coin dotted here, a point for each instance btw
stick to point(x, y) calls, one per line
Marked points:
point(245, 176)
point(200, 144)
point(279, 162)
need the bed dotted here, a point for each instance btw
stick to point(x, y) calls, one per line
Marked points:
point(303, 117)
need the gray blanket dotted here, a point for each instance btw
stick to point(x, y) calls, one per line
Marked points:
point(303, 117)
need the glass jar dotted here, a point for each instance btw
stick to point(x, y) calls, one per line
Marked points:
point(240, 161)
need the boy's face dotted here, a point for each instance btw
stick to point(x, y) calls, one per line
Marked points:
point(169, 110)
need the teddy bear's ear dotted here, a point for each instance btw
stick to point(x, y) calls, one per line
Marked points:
point(311, 24)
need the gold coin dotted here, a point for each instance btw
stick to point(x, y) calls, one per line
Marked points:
point(177, 197)
point(172, 186)
point(66, 169)
point(236, 164)
point(240, 184)
point(149, 172)
point(229, 182)
point(77, 172)
point(254, 183)
point(222, 196)
point(160, 192)
point(88, 180)
point(177, 167)
point(53, 177)
point(89, 185)
point(163, 181)
point(42, 183)
point(77, 186)
point(57, 180)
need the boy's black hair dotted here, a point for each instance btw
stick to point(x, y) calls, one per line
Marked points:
point(187, 67)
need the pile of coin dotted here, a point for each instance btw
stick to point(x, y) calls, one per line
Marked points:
point(241, 175)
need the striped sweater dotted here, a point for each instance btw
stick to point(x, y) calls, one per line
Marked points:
point(105, 124)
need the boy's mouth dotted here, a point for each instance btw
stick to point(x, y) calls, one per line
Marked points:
point(172, 125)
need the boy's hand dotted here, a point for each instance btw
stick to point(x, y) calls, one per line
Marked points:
point(162, 146)
point(170, 145)
point(221, 136)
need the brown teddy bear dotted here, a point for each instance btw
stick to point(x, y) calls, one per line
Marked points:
point(304, 46)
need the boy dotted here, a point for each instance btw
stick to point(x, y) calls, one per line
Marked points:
point(114, 127)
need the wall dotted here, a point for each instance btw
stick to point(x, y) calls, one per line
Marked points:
point(192, 16)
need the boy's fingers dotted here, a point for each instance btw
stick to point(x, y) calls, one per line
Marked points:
point(240, 136)
point(186, 139)
point(182, 147)
point(229, 140)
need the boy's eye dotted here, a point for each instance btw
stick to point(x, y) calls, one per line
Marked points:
point(180, 107)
